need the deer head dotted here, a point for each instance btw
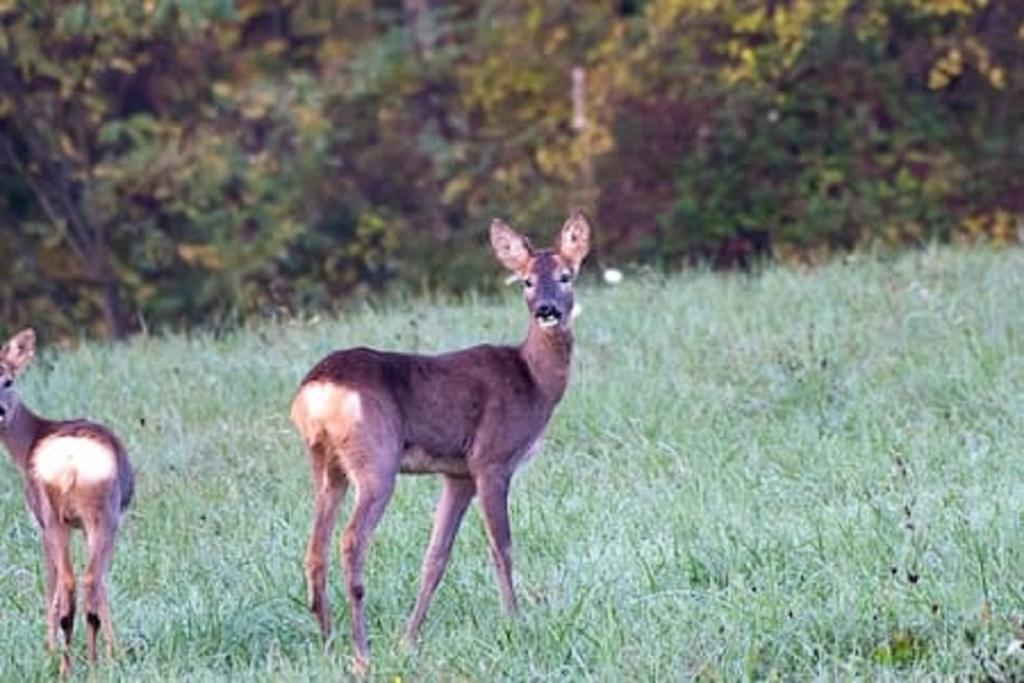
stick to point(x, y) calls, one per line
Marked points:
point(547, 275)
point(14, 356)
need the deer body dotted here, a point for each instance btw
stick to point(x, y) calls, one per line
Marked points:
point(472, 416)
point(76, 476)
point(439, 406)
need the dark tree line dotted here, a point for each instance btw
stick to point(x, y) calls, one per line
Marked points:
point(191, 162)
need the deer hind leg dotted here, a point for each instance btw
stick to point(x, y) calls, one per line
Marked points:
point(494, 506)
point(329, 486)
point(373, 491)
point(456, 495)
point(62, 601)
point(100, 535)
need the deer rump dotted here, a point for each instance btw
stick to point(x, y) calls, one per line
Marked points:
point(82, 468)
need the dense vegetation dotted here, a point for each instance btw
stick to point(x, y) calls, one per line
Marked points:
point(786, 477)
point(176, 162)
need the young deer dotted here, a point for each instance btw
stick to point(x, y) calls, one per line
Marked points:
point(76, 476)
point(471, 416)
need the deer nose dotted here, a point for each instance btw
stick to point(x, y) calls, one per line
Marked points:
point(548, 311)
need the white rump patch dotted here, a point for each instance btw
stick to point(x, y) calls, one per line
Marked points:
point(324, 400)
point(64, 460)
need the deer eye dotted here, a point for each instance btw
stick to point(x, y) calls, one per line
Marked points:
point(527, 282)
point(565, 278)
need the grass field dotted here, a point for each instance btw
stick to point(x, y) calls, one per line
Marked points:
point(796, 474)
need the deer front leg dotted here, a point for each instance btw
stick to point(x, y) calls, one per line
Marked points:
point(50, 567)
point(372, 495)
point(456, 495)
point(330, 491)
point(493, 492)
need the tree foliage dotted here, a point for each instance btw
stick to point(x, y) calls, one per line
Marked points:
point(178, 162)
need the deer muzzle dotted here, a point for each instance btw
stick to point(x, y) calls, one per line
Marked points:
point(548, 315)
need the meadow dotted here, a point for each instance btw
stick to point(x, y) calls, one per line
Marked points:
point(793, 474)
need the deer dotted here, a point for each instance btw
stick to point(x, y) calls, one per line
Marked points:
point(472, 416)
point(76, 476)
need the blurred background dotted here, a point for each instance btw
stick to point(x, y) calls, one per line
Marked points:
point(166, 164)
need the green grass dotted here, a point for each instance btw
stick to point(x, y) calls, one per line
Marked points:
point(799, 474)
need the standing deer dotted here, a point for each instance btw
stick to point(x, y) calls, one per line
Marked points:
point(77, 475)
point(472, 416)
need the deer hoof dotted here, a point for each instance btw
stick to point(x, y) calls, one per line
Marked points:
point(361, 666)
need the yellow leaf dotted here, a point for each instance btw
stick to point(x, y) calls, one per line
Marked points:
point(455, 187)
point(106, 171)
point(333, 48)
point(67, 147)
point(222, 89)
point(146, 292)
point(997, 77)
point(275, 46)
point(254, 110)
point(937, 79)
point(200, 254)
point(122, 64)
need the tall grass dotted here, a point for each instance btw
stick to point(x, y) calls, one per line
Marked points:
point(796, 474)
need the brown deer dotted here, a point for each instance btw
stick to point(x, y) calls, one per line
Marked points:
point(472, 416)
point(77, 475)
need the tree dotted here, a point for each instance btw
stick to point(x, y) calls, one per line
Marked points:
point(86, 110)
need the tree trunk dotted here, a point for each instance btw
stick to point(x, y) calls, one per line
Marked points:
point(52, 190)
point(110, 299)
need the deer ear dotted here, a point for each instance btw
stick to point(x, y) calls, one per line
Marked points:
point(574, 242)
point(18, 351)
point(511, 248)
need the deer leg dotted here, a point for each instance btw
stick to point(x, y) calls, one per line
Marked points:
point(104, 597)
point(50, 562)
point(100, 537)
point(62, 602)
point(456, 495)
point(330, 489)
point(494, 506)
point(372, 496)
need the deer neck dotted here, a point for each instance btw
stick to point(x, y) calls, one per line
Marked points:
point(20, 433)
point(548, 353)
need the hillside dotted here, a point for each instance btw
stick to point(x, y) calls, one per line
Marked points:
point(800, 473)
